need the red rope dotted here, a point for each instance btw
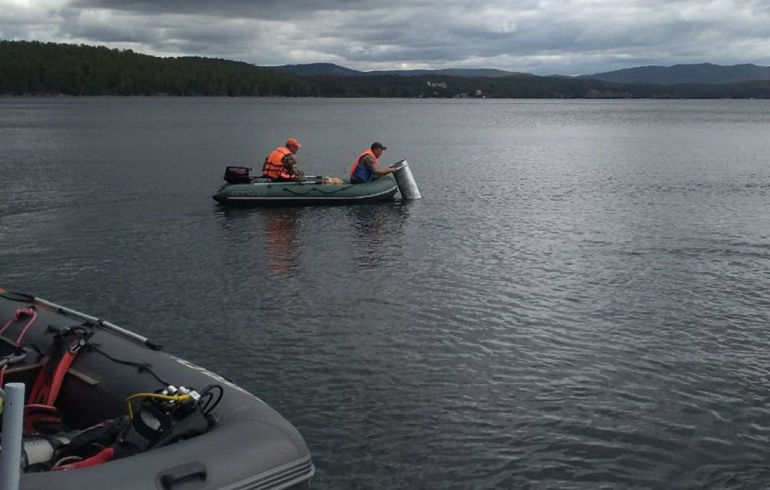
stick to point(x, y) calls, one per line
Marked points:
point(17, 316)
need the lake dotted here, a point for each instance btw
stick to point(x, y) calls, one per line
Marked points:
point(580, 299)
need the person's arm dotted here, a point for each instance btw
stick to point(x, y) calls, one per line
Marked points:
point(290, 164)
point(369, 162)
point(385, 171)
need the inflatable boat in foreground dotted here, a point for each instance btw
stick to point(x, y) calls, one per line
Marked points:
point(244, 190)
point(106, 408)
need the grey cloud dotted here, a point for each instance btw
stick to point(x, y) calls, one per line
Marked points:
point(262, 9)
point(538, 36)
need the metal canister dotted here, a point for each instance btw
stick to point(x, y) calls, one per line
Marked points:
point(405, 180)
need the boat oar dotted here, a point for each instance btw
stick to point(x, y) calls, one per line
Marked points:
point(102, 323)
point(313, 179)
point(99, 323)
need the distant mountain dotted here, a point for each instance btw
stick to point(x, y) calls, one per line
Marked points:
point(317, 69)
point(451, 72)
point(671, 75)
point(704, 73)
point(330, 69)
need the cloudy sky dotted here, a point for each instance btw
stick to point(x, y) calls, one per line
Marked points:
point(544, 37)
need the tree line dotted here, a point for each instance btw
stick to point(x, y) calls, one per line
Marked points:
point(35, 68)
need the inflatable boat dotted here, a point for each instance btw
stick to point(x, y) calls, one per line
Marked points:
point(107, 408)
point(242, 189)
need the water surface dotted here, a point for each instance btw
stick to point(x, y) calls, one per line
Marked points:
point(579, 301)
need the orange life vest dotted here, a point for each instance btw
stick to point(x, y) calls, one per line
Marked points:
point(363, 173)
point(273, 167)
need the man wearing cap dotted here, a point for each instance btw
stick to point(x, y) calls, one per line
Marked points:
point(365, 169)
point(281, 164)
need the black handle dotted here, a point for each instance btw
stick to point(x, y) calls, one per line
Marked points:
point(187, 476)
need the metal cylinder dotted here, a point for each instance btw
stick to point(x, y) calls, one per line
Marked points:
point(10, 460)
point(405, 180)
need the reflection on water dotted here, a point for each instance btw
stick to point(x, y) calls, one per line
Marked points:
point(376, 227)
point(281, 227)
point(286, 240)
point(273, 235)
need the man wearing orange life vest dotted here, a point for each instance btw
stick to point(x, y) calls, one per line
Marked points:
point(281, 164)
point(365, 169)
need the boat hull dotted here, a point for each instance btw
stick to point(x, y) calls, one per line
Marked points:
point(250, 446)
point(312, 193)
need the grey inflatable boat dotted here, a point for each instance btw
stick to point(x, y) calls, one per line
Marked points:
point(106, 408)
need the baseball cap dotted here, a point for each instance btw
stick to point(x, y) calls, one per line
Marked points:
point(377, 144)
point(293, 141)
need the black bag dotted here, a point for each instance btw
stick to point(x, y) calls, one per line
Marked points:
point(237, 175)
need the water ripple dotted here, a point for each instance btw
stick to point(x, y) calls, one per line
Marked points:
point(579, 301)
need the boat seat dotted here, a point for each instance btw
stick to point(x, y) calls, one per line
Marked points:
point(21, 371)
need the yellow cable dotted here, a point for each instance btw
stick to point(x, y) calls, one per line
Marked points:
point(176, 398)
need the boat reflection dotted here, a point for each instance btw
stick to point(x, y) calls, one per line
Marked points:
point(281, 230)
point(290, 240)
point(263, 238)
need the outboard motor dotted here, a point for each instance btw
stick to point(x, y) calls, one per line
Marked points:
point(237, 175)
point(405, 180)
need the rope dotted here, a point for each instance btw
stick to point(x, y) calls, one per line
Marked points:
point(316, 189)
point(16, 317)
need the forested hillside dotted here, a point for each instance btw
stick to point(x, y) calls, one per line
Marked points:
point(46, 68)
point(699, 73)
point(34, 68)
